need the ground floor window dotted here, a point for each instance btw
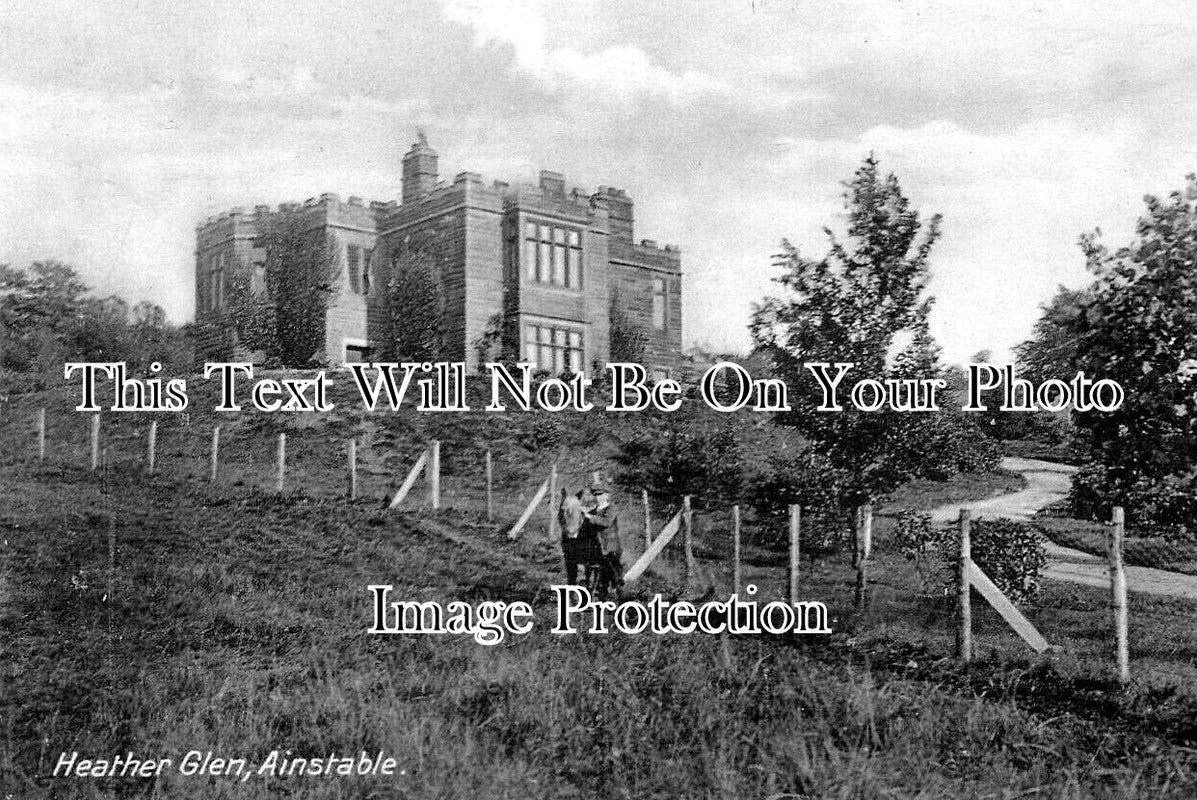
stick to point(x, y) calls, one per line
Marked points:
point(553, 349)
point(356, 353)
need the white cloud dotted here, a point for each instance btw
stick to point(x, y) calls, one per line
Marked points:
point(621, 73)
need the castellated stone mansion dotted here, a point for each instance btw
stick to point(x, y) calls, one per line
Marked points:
point(549, 266)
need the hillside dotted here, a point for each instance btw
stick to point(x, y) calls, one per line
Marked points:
point(232, 620)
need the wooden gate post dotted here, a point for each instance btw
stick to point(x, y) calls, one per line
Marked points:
point(95, 442)
point(737, 578)
point(490, 489)
point(1118, 593)
point(282, 461)
point(554, 504)
point(41, 436)
point(151, 445)
point(352, 469)
point(648, 519)
point(964, 617)
point(688, 528)
point(434, 474)
point(795, 528)
point(215, 453)
point(864, 548)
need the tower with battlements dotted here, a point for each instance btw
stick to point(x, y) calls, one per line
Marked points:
point(538, 269)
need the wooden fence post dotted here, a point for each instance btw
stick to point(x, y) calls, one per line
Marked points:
point(795, 529)
point(282, 461)
point(1118, 592)
point(490, 488)
point(95, 442)
point(353, 469)
point(434, 474)
point(688, 528)
point(215, 460)
point(864, 548)
point(151, 446)
point(856, 537)
point(554, 504)
point(41, 436)
point(866, 531)
point(964, 617)
point(108, 584)
point(737, 578)
point(648, 519)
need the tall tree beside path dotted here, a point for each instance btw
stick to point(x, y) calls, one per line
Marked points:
point(865, 301)
point(1138, 326)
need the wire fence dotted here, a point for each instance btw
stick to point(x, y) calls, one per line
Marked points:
point(856, 566)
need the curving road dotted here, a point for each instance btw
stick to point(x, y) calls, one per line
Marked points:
point(1046, 483)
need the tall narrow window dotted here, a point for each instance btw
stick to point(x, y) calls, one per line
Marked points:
point(574, 352)
point(530, 242)
point(353, 255)
point(573, 264)
point(366, 262)
point(216, 262)
point(553, 255)
point(544, 253)
point(659, 298)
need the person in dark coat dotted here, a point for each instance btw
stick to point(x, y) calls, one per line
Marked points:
point(602, 522)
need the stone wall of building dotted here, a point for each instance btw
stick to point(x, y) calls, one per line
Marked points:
point(476, 231)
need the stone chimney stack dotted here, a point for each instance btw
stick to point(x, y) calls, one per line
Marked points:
point(419, 170)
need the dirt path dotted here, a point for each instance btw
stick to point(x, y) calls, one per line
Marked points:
point(1047, 483)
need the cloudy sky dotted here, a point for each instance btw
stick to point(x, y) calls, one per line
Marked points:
point(731, 122)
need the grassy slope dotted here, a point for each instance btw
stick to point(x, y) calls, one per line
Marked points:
point(1147, 551)
point(237, 618)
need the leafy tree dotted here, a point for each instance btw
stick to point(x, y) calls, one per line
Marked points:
point(302, 269)
point(41, 311)
point(1135, 325)
point(1051, 352)
point(681, 457)
point(48, 315)
point(855, 304)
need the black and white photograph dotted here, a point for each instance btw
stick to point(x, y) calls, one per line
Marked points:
point(697, 399)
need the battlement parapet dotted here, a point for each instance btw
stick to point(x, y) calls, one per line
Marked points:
point(647, 254)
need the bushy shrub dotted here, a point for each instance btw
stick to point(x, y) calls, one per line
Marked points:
point(937, 446)
point(1091, 490)
point(688, 459)
point(1167, 507)
point(545, 432)
point(787, 478)
point(927, 546)
point(1011, 553)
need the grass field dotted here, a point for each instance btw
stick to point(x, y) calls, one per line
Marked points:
point(1146, 551)
point(236, 623)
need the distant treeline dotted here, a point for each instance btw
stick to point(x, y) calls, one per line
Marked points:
point(48, 315)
